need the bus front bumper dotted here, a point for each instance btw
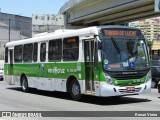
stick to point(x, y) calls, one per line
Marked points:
point(110, 90)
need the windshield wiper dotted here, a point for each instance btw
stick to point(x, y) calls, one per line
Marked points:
point(115, 45)
point(135, 46)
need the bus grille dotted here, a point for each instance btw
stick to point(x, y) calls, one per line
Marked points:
point(128, 76)
point(123, 91)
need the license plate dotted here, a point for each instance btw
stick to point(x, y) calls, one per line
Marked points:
point(130, 88)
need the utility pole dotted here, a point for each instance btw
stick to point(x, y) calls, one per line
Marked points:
point(9, 30)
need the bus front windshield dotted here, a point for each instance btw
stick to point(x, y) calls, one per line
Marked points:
point(124, 54)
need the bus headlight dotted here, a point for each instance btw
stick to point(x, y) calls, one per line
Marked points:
point(148, 77)
point(108, 79)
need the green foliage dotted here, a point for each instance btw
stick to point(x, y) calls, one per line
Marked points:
point(141, 53)
point(149, 43)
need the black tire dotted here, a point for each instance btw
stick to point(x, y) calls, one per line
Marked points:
point(153, 85)
point(116, 97)
point(25, 87)
point(75, 90)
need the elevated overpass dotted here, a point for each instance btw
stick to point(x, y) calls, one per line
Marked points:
point(103, 12)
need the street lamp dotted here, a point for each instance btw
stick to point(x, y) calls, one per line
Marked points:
point(9, 30)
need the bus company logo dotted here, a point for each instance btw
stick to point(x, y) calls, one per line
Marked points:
point(129, 72)
point(42, 69)
point(56, 70)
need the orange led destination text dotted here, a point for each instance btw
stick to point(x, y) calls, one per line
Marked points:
point(120, 33)
point(114, 65)
point(71, 40)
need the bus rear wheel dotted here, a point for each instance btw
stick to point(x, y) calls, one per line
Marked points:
point(75, 90)
point(25, 87)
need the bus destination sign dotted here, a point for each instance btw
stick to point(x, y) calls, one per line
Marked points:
point(121, 33)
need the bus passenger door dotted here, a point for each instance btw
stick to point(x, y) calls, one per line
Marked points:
point(89, 65)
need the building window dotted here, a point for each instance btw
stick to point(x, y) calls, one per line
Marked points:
point(6, 55)
point(35, 52)
point(71, 49)
point(18, 54)
point(27, 52)
point(43, 52)
point(55, 50)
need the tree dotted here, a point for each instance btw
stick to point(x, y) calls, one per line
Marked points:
point(149, 43)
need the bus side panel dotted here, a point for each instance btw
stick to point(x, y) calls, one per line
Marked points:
point(60, 72)
point(29, 70)
point(7, 75)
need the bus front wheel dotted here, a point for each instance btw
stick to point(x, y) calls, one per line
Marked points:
point(75, 90)
point(25, 87)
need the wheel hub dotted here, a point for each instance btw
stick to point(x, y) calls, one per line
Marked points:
point(75, 89)
point(24, 85)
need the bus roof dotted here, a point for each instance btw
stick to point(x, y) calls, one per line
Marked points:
point(54, 35)
point(63, 34)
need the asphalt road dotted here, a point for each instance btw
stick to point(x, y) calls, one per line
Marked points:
point(13, 99)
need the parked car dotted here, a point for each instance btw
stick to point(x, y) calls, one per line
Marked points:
point(1, 73)
point(155, 69)
point(159, 87)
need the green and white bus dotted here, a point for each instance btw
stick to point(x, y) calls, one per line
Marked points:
point(98, 61)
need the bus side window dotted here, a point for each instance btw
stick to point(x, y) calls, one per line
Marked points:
point(6, 55)
point(55, 50)
point(71, 49)
point(43, 52)
point(35, 52)
point(27, 52)
point(18, 54)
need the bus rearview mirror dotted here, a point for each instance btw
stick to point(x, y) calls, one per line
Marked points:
point(99, 45)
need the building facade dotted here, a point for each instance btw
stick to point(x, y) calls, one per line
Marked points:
point(13, 27)
point(150, 28)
